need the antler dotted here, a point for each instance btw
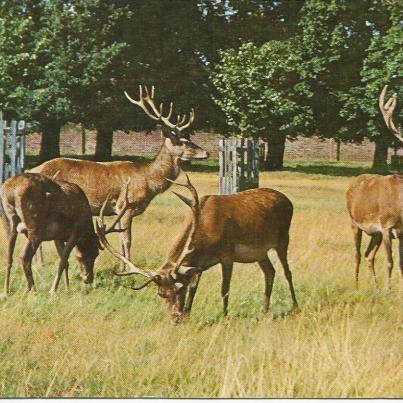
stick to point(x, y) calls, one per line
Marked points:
point(156, 114)
point(102, 230)
point(387, 112)
point(126, 206)
point(195, 207)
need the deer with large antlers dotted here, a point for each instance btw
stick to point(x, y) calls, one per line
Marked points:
point(101, 181)
point(220, 229)
point(375, 205)
point(43, 210)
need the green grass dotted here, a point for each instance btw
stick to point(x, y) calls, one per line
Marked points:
point(113, 342)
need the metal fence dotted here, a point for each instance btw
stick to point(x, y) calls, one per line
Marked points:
point(12, 148)
point(239, 165)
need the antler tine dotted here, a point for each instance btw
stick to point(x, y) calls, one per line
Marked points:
point(194, 205)
point(387, 110)
point(181, 120)
point(102, 211)
point(99, 228)
point(141, 103)
point(140, 287)
point(156, 114)
point(190, 121)
point(189, 186)
point(126, 206)
point(150, 101)
point(171, 105)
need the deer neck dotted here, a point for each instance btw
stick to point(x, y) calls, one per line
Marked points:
point(165, 165)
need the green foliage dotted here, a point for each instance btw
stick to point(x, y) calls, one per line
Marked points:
point(59, 59)
point(333, 63)
point(381, 66)
point(261, 91)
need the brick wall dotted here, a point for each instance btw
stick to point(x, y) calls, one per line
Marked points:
point(140, 142)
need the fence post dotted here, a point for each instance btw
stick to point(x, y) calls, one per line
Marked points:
point(239, 165)
point(13, 148)
point(21, 147)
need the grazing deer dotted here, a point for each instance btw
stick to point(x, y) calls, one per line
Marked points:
point(106, 180)
point(221, 229)
point(43, 210)
point(375, 205)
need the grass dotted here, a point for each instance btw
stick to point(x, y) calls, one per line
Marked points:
point(114, 342)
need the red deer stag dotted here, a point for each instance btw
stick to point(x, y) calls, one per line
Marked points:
point(375, 205)
point(43, 210)
point(221, 229)
point(101, 181)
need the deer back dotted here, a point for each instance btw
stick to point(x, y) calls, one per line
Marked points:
point(46, 209)
point(256, 217)
point(375, 202)
point(98, 180)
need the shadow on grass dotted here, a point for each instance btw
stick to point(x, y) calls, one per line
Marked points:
point(336, 169)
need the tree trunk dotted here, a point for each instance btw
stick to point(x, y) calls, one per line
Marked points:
point(103, 148)
point(275, 152)
point(381, 152)
point(50, 142)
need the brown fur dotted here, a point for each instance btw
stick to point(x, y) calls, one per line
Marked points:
point(236, 228)
point(375, 205)
point(98, 179)
point(44, 209)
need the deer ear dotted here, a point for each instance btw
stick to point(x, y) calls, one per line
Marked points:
point(186, 200)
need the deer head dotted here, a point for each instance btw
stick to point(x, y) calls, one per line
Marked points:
point(172, 277)
point(87, 250)
point(176, 141)
point(387, 112)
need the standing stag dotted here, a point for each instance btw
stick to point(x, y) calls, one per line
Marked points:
point(375, 205)
point(106, 180)
point(221, 229)
point(44, 210)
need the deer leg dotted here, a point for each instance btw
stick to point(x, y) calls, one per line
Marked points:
point(357, 234)
point(269, 273)
point(192, 292)
point(12, 237)
point(282, 255)
point(226, 280)
point(387, 243)
point(60, 247)
point(370, 253)
point(126, 238)
point(70, 244)
point(39, 256)
point(27, 256)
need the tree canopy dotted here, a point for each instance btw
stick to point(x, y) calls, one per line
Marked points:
point(270, 69)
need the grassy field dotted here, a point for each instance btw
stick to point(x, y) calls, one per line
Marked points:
point(111, 341)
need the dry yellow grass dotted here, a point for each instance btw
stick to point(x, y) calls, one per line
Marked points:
point(114, 342)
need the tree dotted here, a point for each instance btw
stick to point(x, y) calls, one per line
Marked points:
point(70, 63)
point(350, 50)
point(262, 93)
point(381, 66)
